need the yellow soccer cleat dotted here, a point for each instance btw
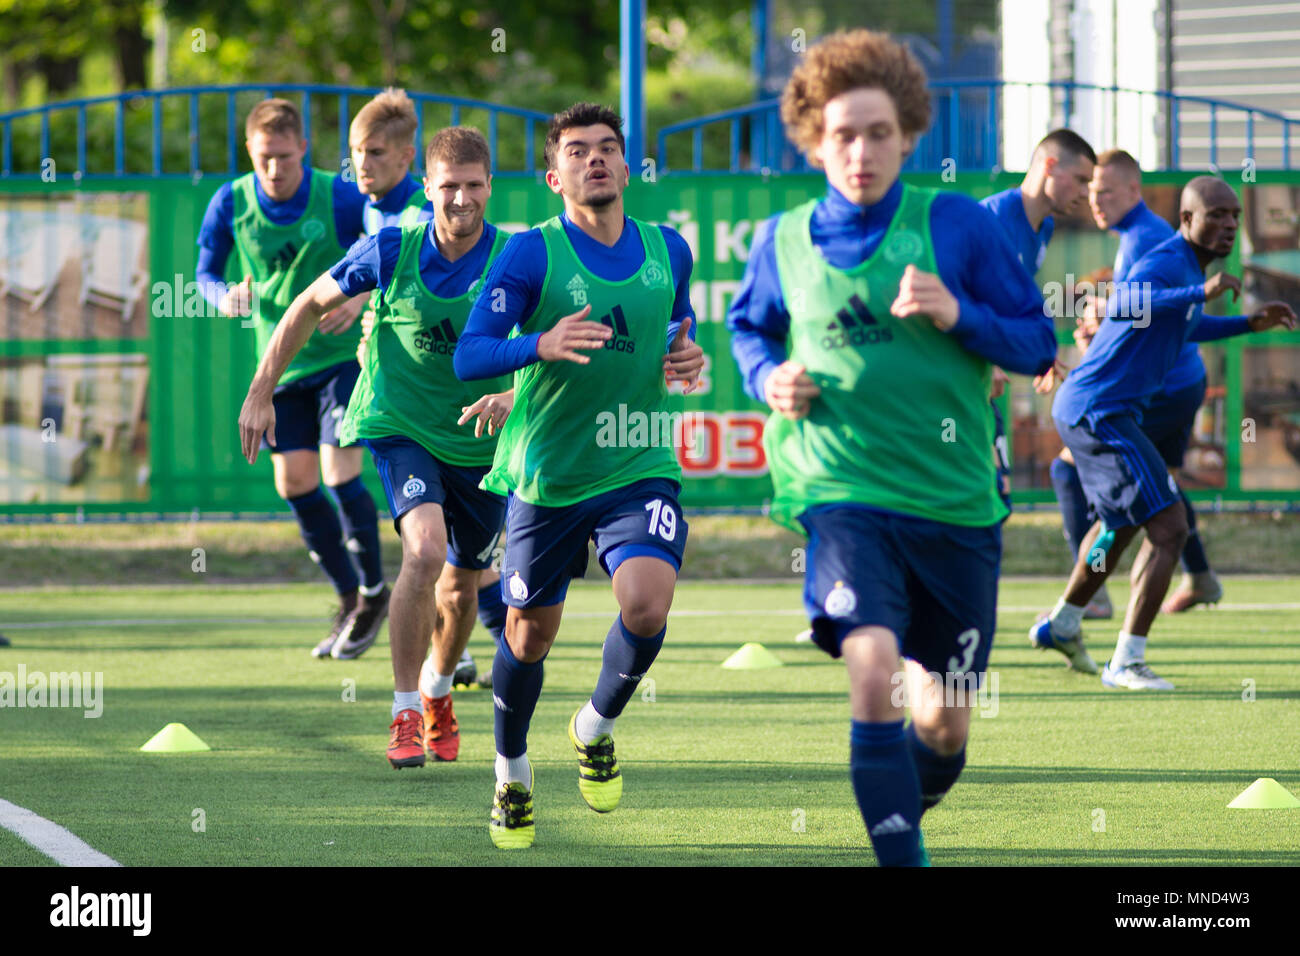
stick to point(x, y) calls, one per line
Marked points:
point(599, 781)
point(511, 822)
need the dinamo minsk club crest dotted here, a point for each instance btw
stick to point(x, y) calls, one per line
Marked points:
point(312, 229)
point(413, 488)
point(654, 276)
point(905, 246)
point(841, 602)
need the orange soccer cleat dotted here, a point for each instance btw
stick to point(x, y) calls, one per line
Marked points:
point(441, 732)
point(404, 746)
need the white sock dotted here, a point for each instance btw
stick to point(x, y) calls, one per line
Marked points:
point(1128, 649)
point(465, 657)
point(514, 770)
point(405, 700)
point(371, 592)
point(591, 725)
point(433, 684)
point(1066, 618)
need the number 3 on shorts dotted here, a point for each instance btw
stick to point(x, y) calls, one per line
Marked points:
point(968, 640)
point(663, 520)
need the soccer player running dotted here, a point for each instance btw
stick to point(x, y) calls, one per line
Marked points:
point(1056, 183)
point(381, 140)
point(569, 480)
point(1099, 408)
point(869, 321)
point(1116, 198)
point(287, 223)
point(407, 408)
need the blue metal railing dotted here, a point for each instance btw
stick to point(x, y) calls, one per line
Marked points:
point(965, 127)
point(199, 134)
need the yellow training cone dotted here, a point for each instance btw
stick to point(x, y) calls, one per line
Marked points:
point(752, 657)
point(1265, 794)
point(174, 739)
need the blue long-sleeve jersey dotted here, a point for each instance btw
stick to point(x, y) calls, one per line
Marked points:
point(1001, 310)
point(371, 261)
point(217, 233)
point(514, 284)
point(1008, 207)
point(1141, 336)
point(1140, 231)
point(387, 212)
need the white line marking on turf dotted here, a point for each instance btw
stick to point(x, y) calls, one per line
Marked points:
point(177, 621)
point(62, 846)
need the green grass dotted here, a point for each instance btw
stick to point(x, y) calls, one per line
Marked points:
point(719, 766)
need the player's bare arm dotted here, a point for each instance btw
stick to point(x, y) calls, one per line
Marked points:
point(291, 334)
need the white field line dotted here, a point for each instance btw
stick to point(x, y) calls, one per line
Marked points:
point(788, 611)
point(62, 846)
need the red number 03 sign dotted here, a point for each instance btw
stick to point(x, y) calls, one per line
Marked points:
point(721, 443)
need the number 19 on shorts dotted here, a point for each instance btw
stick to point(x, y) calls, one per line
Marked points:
point(663, 520)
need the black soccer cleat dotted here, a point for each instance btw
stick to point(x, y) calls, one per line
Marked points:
point(362, 628)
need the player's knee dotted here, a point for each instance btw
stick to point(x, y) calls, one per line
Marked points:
point(528, 642)
point(425, 553)
point(879, 689)
point(456, 597)
point(1168, 530)
point(944, 738)
point(646, 614)
point(292, 485)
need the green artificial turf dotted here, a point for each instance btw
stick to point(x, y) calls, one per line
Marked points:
point(720, 766)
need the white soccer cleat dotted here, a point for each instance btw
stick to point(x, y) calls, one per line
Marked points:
point(1043, 636)
point(804, 637)
point(1135, 675)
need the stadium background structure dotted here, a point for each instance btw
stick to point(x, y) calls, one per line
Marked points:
point(721, 173)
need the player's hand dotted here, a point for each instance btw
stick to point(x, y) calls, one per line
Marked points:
point(337, 321)
point(999, 383)
point(923, 293)
point(790, 391)
point(1221, 282)
point(685, 359)
point(257, 416)
point(367, 326)
point(491, 410)
point(1085, 329)
point(571, 333)
point(1272, 315)
point(238, 300)
point(1043, 384)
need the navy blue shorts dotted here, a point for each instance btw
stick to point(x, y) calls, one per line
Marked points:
point(309, 412)
point(412, 476)
point(1123, 476)
point(934, 585)
point(547, 547)
point(1168, 421)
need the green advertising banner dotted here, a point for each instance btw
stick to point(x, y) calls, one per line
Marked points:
point(120, 387)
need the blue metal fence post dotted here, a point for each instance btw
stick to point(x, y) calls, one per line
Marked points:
point(631, 34)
